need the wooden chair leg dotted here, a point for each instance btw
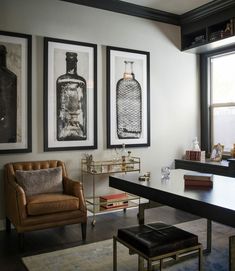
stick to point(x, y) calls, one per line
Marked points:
point(8, 225)
point(149, 265)
point(83, 226)
point(200, 259)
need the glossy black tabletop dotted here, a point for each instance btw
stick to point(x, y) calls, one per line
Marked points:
point(217, 203)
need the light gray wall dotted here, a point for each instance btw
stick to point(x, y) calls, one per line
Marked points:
point(173, 78)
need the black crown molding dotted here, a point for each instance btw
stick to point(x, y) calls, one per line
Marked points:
point(130, 9)
point(206, 10)
point(194, 15)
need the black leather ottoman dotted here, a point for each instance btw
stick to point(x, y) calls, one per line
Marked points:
point(156, 241)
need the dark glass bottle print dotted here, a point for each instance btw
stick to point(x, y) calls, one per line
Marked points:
point(71, 103)
point(8, 101)
point(129, 104)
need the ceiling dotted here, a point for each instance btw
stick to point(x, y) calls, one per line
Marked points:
point(178, 7)
point(176, 12)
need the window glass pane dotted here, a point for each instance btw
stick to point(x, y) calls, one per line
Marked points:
point(223, 127)
point(223, 79)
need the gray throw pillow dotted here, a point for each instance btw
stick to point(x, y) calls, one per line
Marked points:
point(40, 181)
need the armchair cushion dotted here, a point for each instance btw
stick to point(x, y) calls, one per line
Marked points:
point(51, 203)
point(40, 181)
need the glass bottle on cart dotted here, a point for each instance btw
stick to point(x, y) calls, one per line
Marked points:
point(129, 104)
point(8, 101)
point(71, 102)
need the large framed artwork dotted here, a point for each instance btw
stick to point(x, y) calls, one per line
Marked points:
point(70, 95)
point(15, 92)
point(128, 98)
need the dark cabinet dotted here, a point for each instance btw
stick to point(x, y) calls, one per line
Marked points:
point(209, 36)
point(224, 168)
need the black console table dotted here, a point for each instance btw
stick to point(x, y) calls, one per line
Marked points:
point(224, 168)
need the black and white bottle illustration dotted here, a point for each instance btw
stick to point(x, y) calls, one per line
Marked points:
point(71, 102)
point(129, 104)
point(8, 101)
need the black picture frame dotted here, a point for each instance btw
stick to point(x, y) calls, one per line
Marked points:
point(16, 93)
point(64, 129)
point(128, 122)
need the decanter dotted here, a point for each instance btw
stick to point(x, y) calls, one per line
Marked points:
point(71, 102)
point(129, 104)
point(8, 101)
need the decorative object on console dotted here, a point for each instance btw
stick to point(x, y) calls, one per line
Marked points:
point(198, 180)
point(128, 101)
point(233, 151)
point(217, 152)
point(15, 92)
point(195, 154)
point(70, 96)
point(196, 146)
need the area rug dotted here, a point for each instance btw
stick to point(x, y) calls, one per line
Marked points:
point(98, 256)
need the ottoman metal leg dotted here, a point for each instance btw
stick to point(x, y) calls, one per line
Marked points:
point(114, 254)
point(149, 265)
point(140, 263)
point(200, 253)
point(232, 253)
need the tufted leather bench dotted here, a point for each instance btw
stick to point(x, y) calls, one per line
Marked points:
point(154, 242)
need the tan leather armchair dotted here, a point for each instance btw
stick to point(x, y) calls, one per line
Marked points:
point(29, 213)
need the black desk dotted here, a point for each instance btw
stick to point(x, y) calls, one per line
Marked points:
point(217, 204)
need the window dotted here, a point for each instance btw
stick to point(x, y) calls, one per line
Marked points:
point(218, 99)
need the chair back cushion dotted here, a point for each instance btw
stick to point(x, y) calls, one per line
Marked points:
point(40, 181)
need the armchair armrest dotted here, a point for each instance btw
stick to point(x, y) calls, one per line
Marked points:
point(15, 201)
point(75, 188)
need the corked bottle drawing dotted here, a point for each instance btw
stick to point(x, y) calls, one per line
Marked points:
point(71, 102)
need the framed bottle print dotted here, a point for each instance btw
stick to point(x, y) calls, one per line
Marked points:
point(128, 98)
point(15, 92)
point(70, 97)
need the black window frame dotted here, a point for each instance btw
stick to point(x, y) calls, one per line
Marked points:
point(206, 141)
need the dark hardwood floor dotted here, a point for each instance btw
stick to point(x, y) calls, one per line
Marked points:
point(59, 238)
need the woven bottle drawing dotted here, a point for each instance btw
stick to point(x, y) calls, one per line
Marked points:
point(71, 102)
point(129, 104)
point(8, 101)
